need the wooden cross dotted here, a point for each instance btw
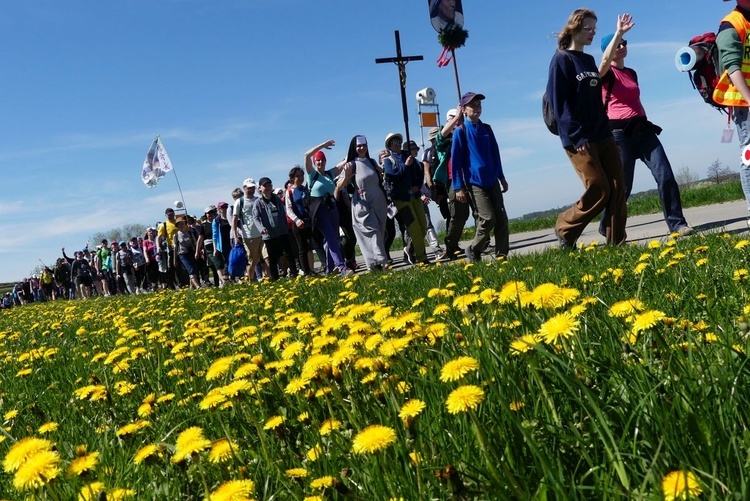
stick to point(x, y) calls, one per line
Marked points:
point(401, 63)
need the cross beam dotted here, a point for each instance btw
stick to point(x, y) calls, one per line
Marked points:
point(401, 61)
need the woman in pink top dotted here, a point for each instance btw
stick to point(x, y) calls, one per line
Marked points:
point(634, 134)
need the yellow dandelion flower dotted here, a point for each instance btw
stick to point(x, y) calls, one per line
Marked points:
point(441, 309)
point(411, 409)
point(37, 470)
point(464, 302)
point(303, 417)
point(547, 295)
point(374, 438)
point(296, 385)
point(221, 450)
point(701, 262)
point(119, 493)
point(739, 275)
point(314, 453)
point(23, 372)
point(22, 450)
point(219, 368)
point(647, 320)
point(329, 425)
point(292, 350)
point(90, 492)
point(680, 484)
point(83, 464)
point(562, 325)
point(233, 490)
point(654, 244)
point(274, 422)
point(323, 483)
point(524, 343)
point(131, 428)
point(517, 406)
point(457, 368)
point(48, 427)
point(296, 473)
point(147, 452)
point(741, 244)
point(246, 370)
point(189, 442)
point(639, 268)
point(626, 308)
point(12, 414)
point(313, 498)
point(464, 398)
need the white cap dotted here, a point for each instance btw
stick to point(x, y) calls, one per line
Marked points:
point(249, 183)
point(451, 113)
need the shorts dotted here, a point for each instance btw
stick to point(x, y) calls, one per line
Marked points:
point(189, 263)
point(217, 260)
point(84, 280)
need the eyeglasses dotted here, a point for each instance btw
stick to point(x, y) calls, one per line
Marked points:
point(623, 44)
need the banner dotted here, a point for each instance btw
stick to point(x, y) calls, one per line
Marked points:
point(156, 165)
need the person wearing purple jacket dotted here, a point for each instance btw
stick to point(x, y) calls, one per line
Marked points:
point(478, 175)
point(574, 91)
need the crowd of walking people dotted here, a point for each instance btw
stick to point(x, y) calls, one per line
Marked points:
point(325, 212)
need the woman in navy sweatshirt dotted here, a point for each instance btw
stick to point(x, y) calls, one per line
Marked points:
point(574, 92)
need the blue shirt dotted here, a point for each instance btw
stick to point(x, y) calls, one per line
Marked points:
point(475, 156)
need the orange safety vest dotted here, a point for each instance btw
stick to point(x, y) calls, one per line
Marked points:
point(725, 92)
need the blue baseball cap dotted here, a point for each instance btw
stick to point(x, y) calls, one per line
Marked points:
point(606, 40)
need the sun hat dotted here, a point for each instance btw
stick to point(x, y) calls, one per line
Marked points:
point(391, 136)
point(605, 41)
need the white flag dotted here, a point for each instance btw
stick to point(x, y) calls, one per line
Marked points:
point(156, 165)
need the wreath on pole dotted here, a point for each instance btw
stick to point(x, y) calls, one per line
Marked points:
point(451, 38)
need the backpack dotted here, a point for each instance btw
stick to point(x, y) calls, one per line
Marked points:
point(706, 71)
point(237, 261)
point(548, 114)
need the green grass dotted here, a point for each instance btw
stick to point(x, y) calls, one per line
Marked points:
point(603, 411)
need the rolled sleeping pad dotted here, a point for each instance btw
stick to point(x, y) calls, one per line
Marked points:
point(687, 57)
point(746, 156)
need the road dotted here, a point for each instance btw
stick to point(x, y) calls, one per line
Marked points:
point(730, 217)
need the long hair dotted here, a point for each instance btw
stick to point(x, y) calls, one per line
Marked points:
point(575, 24)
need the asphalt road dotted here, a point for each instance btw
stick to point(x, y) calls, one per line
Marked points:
point(730, 217)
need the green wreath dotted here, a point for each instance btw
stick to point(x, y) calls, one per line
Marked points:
point(453, 37)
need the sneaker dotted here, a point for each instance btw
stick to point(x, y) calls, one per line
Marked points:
point(407, 258)
point(562, 243)
point(684, 231)
point(346, 272)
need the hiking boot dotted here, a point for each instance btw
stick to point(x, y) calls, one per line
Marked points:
point(472, 256)
point(562, 243)
point(684, 231)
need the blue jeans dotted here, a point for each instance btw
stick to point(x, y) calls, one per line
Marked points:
point(742, 121)
point(643, 144)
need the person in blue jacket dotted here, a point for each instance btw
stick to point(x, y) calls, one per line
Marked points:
point(478, 174)
point(574, 91)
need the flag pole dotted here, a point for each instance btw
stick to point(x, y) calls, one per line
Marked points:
point(174, 171)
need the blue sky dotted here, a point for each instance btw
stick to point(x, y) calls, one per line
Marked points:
point(241, 89)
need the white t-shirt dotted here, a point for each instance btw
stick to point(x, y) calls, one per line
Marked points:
point(243, 208)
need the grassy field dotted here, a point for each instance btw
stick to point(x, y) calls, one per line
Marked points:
point(602, 373)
